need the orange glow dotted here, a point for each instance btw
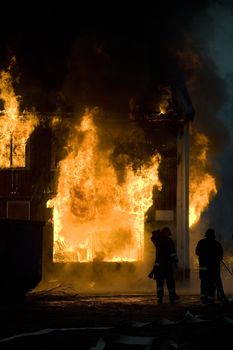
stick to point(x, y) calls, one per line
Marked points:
point(166, 99)
point(202, 184)
point(162, 109)
point(15, 129)
point(95, 216)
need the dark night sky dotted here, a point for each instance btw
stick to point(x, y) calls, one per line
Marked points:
point(73, 55)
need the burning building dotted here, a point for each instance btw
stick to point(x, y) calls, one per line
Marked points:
point(100, 184)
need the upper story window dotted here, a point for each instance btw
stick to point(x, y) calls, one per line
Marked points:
point(13, 153)
point(15, 127)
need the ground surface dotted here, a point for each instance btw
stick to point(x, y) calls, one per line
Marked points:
point(59, 319)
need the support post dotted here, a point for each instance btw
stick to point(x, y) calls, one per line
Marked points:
point(182, 207)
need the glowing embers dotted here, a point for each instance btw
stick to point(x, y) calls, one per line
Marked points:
point(96, 215)
point(15, 129)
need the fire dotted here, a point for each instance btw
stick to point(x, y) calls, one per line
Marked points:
point(162, 109)
point(202, 184)
point(96, 216)
point(166, 99)
point(15, 129)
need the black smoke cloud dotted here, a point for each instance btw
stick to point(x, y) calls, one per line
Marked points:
point(127, 59)
point(72, 57)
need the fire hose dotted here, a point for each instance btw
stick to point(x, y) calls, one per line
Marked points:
point(220, 290)
point(227, 267)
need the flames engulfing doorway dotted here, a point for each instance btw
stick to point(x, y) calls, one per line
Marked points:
point(117, 181)
point(103, 193)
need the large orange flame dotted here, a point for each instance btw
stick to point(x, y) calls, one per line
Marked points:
point(202, 184)
point(95, 217)
point(15, 129)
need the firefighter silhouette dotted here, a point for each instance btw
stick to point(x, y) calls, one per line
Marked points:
point(210, 254)
point(165, 262)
